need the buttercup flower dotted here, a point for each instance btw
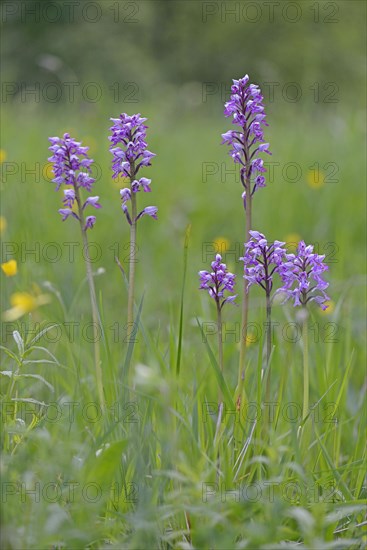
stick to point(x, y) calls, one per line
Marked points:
point(221, 244)
point(301, 274)
point(24, 302)
point(10, 268)
point(3, 224)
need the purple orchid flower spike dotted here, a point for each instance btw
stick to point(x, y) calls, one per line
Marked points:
point(301, 274)
point(262, 260)
point(247, 143)
point(130, 154)
point(72, 167)
point(218, 281)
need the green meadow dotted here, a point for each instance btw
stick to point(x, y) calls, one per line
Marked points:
point(157, 468)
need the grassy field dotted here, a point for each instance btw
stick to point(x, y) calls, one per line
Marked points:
point(144, 473)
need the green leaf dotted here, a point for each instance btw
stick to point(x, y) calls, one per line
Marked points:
point(29, 400)
point(19, 342)
point(10, 354)
point(345, 511)
point(38, 361)
point(218, 373)
point(343, 487)
point(40, 378)
point(45, 350)
point(131, 344)
point(40, 334)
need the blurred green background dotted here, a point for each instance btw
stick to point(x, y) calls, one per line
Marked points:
point(72, 67)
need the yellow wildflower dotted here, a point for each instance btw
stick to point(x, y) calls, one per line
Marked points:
point(22, 303)
point(10, 268)
point(221, 245)
point(315, 179)
point(251, 338)
point(291, 241)
point(3, 224)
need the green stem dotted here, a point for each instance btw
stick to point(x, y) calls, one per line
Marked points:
point(220, 347)
point(220, 393)
point(9, 393)
point(245, 303)
point(306, 381)
point(268, 346)
point(132, 261)
point(93, 299)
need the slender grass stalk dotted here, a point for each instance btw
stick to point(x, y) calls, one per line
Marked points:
point(267, 370)
point(180, 332)
point(97, 328)
point(306, 380)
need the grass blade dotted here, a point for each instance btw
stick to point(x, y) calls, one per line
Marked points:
point(179, 348)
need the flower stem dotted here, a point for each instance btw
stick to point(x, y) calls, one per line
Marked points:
point(132, 261)
point(93, 299)
point(268, 346)
point(220, 347)
point(220, 393)
point(306, 382)
point(245, 302)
